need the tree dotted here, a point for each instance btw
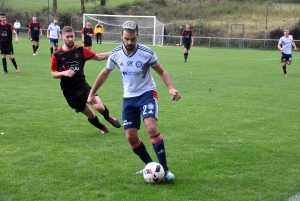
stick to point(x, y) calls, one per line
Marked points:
point(82, 6)
point(103, 2)
point(54, 6)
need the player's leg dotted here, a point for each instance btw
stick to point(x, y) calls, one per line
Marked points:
point(12, 58)
point(51, 46)
point(33, 45)
point(97, 37)
point(3, 53)
point(131, 122)
point(37, 45)
point(289, 59)
point(100, 38)
point(4, 63)
point(185, 51)
point(283, 63)
point(100, 107)
point(55, 44)
point(188, 46)
point(78, 104)
point(93, 119)
point(10, 49)
point(150, 116)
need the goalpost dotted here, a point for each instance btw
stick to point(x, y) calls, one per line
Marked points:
point(151, 31)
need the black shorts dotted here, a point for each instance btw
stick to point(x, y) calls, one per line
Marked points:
point(187, 44)
point(77, 100)
point(87, 43)
point(6, 47)
point(286, 57)
point(35, 38)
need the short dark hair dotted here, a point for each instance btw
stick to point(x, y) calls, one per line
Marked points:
point(2, 14)
point(67, 29)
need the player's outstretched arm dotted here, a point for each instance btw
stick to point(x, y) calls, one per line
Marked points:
point(67, 73)
point(101, 56)
point(167, 80)
point(98, 83)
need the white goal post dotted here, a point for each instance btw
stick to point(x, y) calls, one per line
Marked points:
point(151, 31)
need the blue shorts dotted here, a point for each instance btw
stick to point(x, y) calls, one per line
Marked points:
point(286, 57)
point(53, 42)
point(145, 105)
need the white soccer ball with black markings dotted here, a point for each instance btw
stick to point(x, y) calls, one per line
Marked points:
point(153, 172)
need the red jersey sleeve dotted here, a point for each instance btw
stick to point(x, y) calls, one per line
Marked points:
point(40, 25)
point(93, 31)
point(88, 54)
point(182, 33)
point(29, 26)
point(54, 64)
point(82, 30)
point(11, 27)
point(192, 34)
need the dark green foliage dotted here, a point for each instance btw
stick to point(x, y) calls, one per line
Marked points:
point(276, 33)
point(65, 19)
point(295, 31)
point(160, 2)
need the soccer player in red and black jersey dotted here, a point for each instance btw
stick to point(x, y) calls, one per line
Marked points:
point(86, 35)
point(67, 63)
point(6, 47)
point(187, 39)
point(34, 33)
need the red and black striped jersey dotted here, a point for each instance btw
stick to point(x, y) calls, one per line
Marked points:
point(6, 31)
point(73, 59)
point(187, 34)
point(35, 28)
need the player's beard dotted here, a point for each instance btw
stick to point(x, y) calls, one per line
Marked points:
point(69, 44)
point(129, 47)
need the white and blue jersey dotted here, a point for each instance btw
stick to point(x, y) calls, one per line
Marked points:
point(54, 29)
point(140, 97)
point(54, 33)
point(286, 43)
point(134, 69)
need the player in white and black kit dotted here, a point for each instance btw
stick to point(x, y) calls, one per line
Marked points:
point(135, 62)
point(53, 34)
point(285, 46)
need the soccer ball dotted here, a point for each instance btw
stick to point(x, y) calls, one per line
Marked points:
point(153, 172)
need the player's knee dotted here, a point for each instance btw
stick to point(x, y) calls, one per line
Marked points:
point(152, 130)
point(99, 107)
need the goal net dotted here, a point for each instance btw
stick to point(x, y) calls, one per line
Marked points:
point(151, 31)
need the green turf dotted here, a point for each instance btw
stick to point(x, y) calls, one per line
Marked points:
point(234, 135)
point(62, 5)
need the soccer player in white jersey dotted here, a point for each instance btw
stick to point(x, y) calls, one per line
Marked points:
point(53, 34)
point(285, 46)
point(140, 98)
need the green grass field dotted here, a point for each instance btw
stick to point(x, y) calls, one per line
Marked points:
point(234, 135)
point(62, 5)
